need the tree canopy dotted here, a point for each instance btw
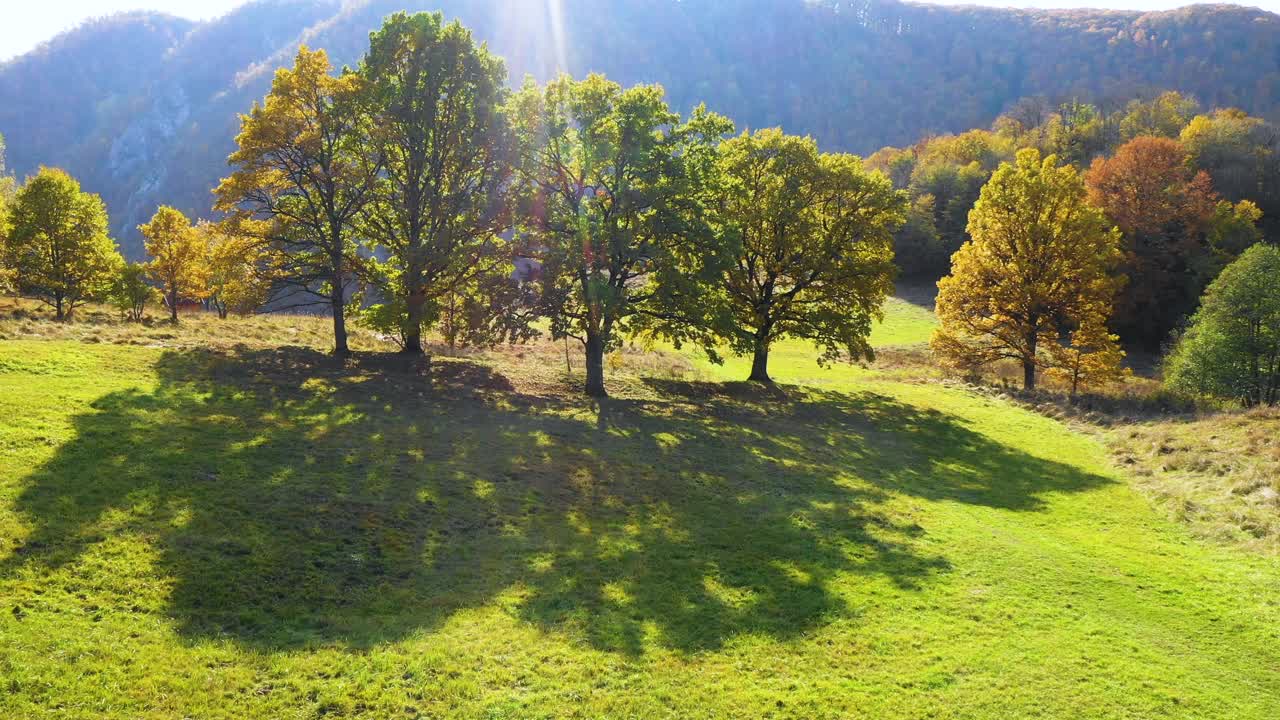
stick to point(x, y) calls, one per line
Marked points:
point(437, 122)
point(301, 180)
point(611, 207)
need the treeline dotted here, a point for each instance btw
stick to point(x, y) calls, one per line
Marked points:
point(143, 108)
point(1189, 189)
point(419, 192)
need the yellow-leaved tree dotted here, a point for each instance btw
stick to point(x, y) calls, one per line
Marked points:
point(240, 271)
point(1039, 267)
point(178, 261)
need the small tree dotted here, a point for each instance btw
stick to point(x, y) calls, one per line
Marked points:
point(178, 261)
point(130, 293)
point(1040, 259)
point(57, 248)
point(1231, 348)
point(239, 270)
point(1091, 357)
point(811, 240)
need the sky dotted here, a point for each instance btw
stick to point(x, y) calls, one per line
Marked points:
point(27, 23)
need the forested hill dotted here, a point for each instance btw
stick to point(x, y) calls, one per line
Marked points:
point(143, 107)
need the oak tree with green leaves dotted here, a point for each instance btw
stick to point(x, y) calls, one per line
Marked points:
point(810, 242)
point(179, 263)
point(614, 184)
point(1040, 263)
point(302, 177)
point(57, 247)
point(436, 102)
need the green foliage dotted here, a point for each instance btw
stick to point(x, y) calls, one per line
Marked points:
point(435, 102)
point(57, 248)
point(130, 292)
point(1164, 116)
point(1040, 264)
point(1232, 347)
point(809, 238)
point(613, 183)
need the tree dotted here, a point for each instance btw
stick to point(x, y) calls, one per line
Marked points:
point(812, 240)
point(436, 99)
point(1091, 356)
point(8, 188)
point(130, 293)
point(1231, 348)
point(303, 177)
point(240, 271)
point(1164, 116)
point(178, 258)
point(57, 247)
point(1040, 261)
point(1242, 155)
point(613, 189)
point(1164, 211)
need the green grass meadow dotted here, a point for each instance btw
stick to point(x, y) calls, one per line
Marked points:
point(258, 532)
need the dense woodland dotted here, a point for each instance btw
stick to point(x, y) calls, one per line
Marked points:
point(417, 192)
point(142, 108)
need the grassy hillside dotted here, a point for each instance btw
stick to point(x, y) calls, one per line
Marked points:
point(249, 530)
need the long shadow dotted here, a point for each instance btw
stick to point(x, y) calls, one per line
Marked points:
point(298, 502)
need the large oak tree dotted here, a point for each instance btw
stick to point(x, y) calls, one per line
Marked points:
point(1039, 265)
point(435, 98)
point(302, 177)
point(614, 183)
point(810, 243)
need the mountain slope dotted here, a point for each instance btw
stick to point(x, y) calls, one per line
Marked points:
point(143, 107)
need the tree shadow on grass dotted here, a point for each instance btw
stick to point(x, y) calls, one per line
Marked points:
point(296, 502)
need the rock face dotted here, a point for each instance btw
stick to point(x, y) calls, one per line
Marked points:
point(143, 107)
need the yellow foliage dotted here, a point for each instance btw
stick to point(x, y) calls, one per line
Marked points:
point(1040, 261)
point(178, 261)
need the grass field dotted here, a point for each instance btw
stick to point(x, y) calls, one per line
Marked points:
point(251, 531)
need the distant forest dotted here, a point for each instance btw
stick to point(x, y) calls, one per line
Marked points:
point(143, 107)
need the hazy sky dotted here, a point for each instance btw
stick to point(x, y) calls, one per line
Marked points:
point(27, 23)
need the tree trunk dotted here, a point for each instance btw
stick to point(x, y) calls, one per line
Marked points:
point(1029, 362)
point(59, 315)
point(414, 329)
point(595, 366)
point(338, 300)
point(760, 363)
point(173, 306)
